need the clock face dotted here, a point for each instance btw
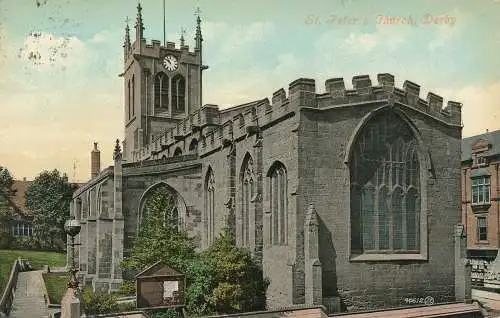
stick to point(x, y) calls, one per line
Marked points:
point(170, 63)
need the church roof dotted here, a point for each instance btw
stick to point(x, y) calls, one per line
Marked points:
point(230, 112)
point(492, 137)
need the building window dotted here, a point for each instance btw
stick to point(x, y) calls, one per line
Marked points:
point(481, 161)
point(482, 229)
point(22, 229)
point(247, 193)
point(279, 205)
point(385, 188)
point(161, 90)
point(193, 146)
point(210, 206)
point(178, 94)
point(177, 152)
point(481, 188)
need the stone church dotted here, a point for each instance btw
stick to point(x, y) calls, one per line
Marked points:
point(347, 197)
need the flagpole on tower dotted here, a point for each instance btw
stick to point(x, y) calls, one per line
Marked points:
point(164, 34)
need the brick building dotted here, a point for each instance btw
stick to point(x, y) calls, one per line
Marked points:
point(480, 193)
point(22, 225)
point(349, 196)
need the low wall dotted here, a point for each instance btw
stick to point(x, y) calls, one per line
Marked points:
point(8, 294)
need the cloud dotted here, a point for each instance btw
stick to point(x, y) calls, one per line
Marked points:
point(480, 109)
point(448, 28)
point(254, 83)
point(44, 50)
point(55, 107)
point(229, 40)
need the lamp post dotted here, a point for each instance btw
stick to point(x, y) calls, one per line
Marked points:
point(72, 228)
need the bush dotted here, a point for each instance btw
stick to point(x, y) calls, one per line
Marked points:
point(99, 302)
point(127, 289)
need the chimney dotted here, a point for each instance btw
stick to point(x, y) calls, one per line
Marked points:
point(95, 162)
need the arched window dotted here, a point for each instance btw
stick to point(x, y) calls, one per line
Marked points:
point(193, 146)
point(161, 90)
point(247, 193)
point(133, 96)
point(178, 94)
point(177, 152)
point(279, 204)
point(161, 204)
point(385, 187)
point(210, 205)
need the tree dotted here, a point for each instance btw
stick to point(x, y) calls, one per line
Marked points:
point(239, 285)
point(159, 237)
point(6, 211)
point(223, 279)
point(48, 198)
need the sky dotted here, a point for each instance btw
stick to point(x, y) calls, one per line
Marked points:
point(60, 59)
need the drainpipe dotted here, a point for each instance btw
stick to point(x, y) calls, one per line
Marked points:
point(497, 204)
point(147, 104)
point(464, 200)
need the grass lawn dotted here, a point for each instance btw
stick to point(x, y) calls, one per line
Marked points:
point(37, 259)
point(56, 284)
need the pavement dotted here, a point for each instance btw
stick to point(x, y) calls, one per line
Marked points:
point(29, 301)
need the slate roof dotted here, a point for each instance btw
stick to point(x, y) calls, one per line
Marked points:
point(20, 187)
point(230, 112)
point(493, 137)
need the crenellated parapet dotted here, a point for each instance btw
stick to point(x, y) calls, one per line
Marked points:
point(363, 91)
point(301, 94)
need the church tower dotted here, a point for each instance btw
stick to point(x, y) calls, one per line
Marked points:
point(163, 85)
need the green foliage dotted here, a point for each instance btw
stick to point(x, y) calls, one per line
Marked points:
point(99, 302)
point(48, 198)
point(239, 284)
point(56, 285)
point(200, 279)
point(6, 212)
point(127, 289)
point(223, 279)
point(124, 307)
point(159, 238)
point(164, 313)
point(37, 260)
point(6, 180)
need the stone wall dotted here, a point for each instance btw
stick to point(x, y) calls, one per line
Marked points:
point(324, 139)
point(310, 134)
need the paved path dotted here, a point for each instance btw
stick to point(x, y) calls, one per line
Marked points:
point(28, 298)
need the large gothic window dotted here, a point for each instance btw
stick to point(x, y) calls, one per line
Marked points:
point(247, 193)
point(161, 90)
point(178, 94)
point(279, 204)
point(161, 204)
point(385, 188)
point(210, 205)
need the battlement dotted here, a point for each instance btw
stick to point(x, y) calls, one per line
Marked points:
point(154, 48)
point(301, 94)
point(363, 90)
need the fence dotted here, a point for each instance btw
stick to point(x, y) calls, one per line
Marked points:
point(8, 293)
point(478, 273)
